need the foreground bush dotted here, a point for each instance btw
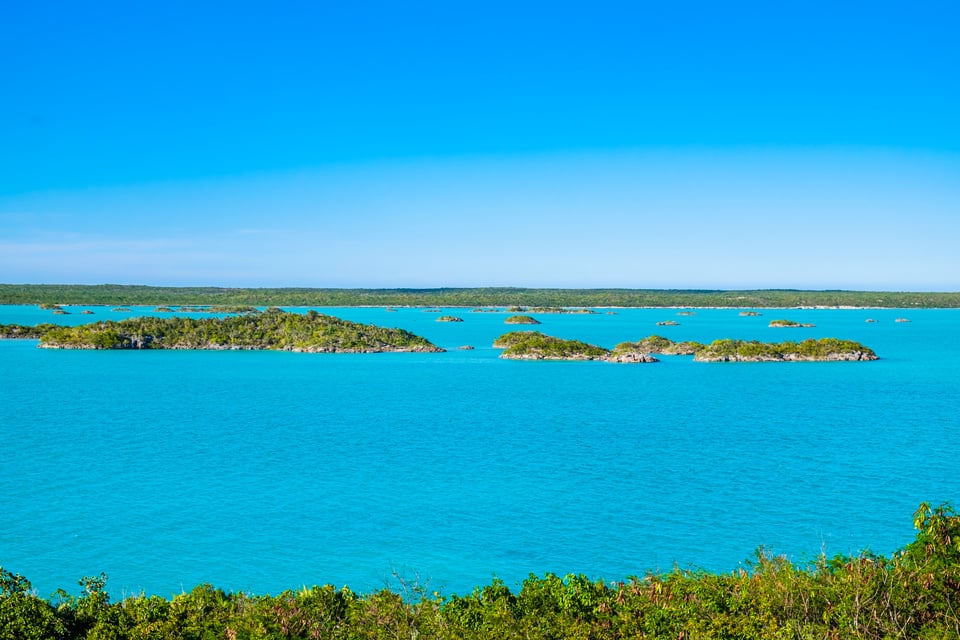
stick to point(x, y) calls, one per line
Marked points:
point(915, 593)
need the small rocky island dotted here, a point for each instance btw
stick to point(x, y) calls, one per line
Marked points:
point(788, 324)
point(660, 346)
point(521, 320)
point(449, 319)
point(533, 345)
point(273, 329)
point(214, 308)
point(579, 310)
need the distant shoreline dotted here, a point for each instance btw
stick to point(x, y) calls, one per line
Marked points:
point(506, 311)
point(480, 297)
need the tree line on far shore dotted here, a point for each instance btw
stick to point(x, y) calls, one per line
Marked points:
point(108, 294)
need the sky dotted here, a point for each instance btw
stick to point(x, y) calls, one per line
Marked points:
point(734, 145)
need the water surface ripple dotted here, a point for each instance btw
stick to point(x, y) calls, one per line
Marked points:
point(263, 471)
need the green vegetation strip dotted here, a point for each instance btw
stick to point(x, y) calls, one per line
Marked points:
point(109, 294)
point(914, 593)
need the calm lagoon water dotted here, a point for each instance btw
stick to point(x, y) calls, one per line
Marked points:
point(263, 471)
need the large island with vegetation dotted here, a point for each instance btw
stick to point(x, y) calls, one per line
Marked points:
point(273, 329)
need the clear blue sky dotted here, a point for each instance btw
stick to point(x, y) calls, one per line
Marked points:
point(634, 144)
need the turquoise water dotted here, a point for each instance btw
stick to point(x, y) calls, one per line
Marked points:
point(262, 471)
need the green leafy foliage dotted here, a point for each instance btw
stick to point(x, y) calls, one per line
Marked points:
point(23, 616)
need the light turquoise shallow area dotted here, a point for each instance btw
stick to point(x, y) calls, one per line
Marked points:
point(261, 471)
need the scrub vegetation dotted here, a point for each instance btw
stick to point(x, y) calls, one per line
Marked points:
point(788, 324)
point(660, 346)
point(914, 593)
point(25, 331)
point(533, 345)
point(110, 294)
point(273, 329)
point(563, 310)
point(754, 351)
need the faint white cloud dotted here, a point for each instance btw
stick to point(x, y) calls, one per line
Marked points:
point(263, 232)
point(702, 219)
